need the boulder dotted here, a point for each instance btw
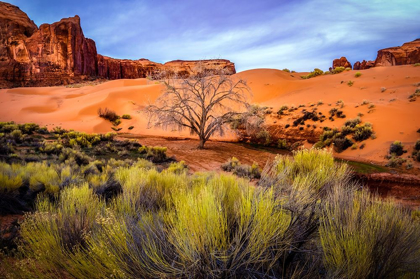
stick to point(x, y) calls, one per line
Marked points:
point(341, 62)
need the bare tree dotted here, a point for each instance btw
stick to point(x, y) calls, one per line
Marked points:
point(202, 103)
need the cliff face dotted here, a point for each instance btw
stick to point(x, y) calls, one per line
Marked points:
point(59, 53)
point(408, 53)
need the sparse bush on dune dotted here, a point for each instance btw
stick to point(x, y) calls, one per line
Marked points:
point(108, 114)
point(358, 74)
point(396, 148)
point(338, 70)
point(316, 72)
point(126, 116)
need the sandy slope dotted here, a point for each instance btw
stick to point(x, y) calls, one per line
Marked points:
point(393, 118)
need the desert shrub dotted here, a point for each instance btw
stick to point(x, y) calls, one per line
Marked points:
point(414, 96)
point(242, 170)
point(108, 114)
point(177, 167)
point(383, 89)
point(230, 164)
point(131, 128)
point(282, 144)
point(352, 123)
point(416, 65)
point(126, 116)
point(51, 148)
point(364, 236)
point(395, 161)
point(358, 74)
point(396, 148)
point(116, 122)
point(417, 145)
point(371, 106)
point(338, 70)
point(350, 83)
point(59, 131)
point(342, 143)
point(282, 109)
point(286, 70)
point(116, 129)
point(314, 73)
point(362, 131)
point(153, 153)
point(264, 136)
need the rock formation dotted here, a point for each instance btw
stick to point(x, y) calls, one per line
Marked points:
point(363, 65)
point(342, 62)
point(408, 53)
point(59, 53)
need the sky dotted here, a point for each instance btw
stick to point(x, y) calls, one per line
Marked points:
point(299, 35)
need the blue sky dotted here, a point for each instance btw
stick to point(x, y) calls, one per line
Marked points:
point(299, 35)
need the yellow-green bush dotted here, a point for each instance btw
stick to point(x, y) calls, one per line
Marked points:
point(363, 236)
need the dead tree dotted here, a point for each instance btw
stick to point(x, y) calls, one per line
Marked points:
point(203, 103)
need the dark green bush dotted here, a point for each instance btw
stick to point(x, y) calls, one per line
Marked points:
point(396, 148)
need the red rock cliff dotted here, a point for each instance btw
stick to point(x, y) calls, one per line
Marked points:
point(59, 53)
point(408, 53)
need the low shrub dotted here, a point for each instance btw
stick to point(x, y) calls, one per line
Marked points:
point(416, 65)
point(282, 144)
point(350, 83)
point(230, 164)
point(338, 70)
point(316, 72)
point(131, 128)
point(395, 161)
point(108, 114)
point(126, 116)
point(362, 131)
point(341, 144)
point(383, 89)
point(358, 74)
point(154, 153)
point(286, 70)
point(396, 148)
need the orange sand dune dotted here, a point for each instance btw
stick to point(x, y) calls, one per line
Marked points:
point(393, 118)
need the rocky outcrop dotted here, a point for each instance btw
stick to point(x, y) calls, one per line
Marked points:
point(59, 53)
point(342, 62)
point(110, 68)
point(363, 65)
point(408, 53)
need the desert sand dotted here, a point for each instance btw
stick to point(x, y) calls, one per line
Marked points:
point(393, 117)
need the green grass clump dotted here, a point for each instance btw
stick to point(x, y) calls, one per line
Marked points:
point(153, 153)
point(358, 74)
point(416, 65)
point(126, 116)
point(350, 83)
point(283, 144)
point(242, 170)
point(316, 72)
point(338, 70)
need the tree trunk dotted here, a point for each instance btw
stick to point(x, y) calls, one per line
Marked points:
point(202, 142)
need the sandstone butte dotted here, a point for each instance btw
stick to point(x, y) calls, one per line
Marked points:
point(59, 53)
point(408, 53)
